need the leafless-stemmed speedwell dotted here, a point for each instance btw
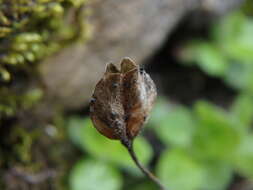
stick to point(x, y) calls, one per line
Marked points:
point(121, 103)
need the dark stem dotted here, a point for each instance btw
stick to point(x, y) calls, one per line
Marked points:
point(149, 174)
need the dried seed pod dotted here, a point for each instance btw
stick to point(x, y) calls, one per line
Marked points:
point(122, 100)
point(121, 103)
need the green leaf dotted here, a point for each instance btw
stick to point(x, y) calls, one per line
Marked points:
point(94, 175)
point(242, 109)
point(208, 57)
point(217, 136)
point(217, 176)
point(244, 72)
point(159, 112)
point(148, 185)
point(83, 134)
point(179, 171)
point(234, 36)
point(176, 127)
point(244, 157)
point(228, 28)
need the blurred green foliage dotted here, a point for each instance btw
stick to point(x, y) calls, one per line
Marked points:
point(216, 144)
point(109, 153)
point(94, 175)
point(205, 146)
point(89, 140)
point(229, 52)
point(225, 137)
point(222, 140)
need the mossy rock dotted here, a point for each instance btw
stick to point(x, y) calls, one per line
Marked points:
point(30, 31)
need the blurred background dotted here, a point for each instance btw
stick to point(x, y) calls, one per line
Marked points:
point(200, 55)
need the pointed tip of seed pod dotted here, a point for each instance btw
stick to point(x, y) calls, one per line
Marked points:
point(127, 65)
point(111, 68)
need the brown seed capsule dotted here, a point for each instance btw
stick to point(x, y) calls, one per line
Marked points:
point(122, 100)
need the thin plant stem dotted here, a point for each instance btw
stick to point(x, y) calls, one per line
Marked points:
point(144, 170)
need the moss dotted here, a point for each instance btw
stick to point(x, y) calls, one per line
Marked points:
point(31, 30)
point(22, 149)
point(33, 150)
point(12, 101)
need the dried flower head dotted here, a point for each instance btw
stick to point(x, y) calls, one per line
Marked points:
point(121, 103)
point(122, 100)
